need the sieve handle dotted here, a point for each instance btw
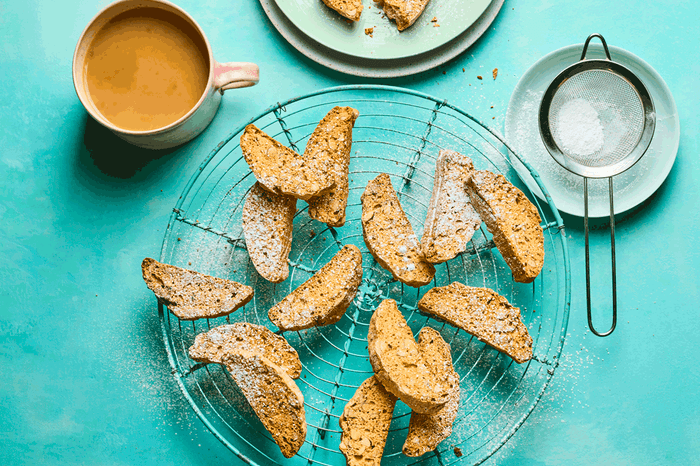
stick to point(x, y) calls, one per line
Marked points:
point(605, 46)
point(588, 263)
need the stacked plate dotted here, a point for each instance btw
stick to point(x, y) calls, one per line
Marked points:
point(373, 47)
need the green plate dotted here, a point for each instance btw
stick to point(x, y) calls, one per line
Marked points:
point(327, 27)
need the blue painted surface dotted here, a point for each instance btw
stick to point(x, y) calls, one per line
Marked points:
point(85, 375)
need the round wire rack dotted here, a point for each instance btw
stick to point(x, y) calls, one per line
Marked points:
point(399, 132)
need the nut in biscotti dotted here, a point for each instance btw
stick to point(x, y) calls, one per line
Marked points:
point(350, 9)
point(404, 12)
point(268, 221)
point(451, 220)
point(426, 431)
point(399, 364)
point(365, 424)
point(512, 220)
point(192, 295)
point(323, 298)
point(389, 236)
point(332, 139)
point(483, 313)
point(273, 395)
point(214, 345)
point(280, 170)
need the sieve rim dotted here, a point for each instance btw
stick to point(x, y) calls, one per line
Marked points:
point(647, 134)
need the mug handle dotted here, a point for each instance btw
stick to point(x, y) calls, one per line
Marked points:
point(234, 75)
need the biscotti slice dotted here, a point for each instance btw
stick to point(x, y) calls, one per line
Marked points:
point(332, 139)
point(214, 345)
point(323, 298)
point(365, 424)
point(399, 364)
point(192, 295)
point(268, 221)
point(283, 171)
point(404, 12)
point(512, 220)
point(389, 236)
point(426, 431)
point(483, 313)
point(451, 220)
point(350, 9)
point(274, 397)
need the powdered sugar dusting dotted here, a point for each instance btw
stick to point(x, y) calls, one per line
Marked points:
point(578, 129)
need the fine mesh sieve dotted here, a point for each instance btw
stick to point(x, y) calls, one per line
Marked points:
point(597, 120)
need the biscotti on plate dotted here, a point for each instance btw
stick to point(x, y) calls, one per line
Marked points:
point(214, 345)
point(323, 298)
point(404, 12)
point(192, 295)
point(268, 221)
point(332, 139)
point(273, 395)
point(399, 364)
point(389, 236)
point(451, 220)
point(512, 220)
point(426, 431)
point(350, 9)
point(281, 170)
point(483, 313)
point(365, 424)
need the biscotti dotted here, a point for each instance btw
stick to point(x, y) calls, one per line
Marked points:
point(350, 9)
point(483, 313)
point(273, 395)
point(512, 220)
point(389, 236)
point(426, 431)
point(400, 366)
point(323, 298)
point(268, 221)
point(404, 12)
point(451, 220)
point(332, 139)
point(214, 345)
point(281, 170)
point(365, 424)
point(192, 295)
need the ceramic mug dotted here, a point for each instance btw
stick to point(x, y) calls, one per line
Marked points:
point(96, 48)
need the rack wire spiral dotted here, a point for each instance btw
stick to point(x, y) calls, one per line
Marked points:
point(399, 132)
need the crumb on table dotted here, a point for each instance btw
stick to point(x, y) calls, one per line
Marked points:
point(495, 73)
point(479, 77)
point(458, 452)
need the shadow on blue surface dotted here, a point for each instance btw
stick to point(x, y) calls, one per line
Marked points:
point(113, 156)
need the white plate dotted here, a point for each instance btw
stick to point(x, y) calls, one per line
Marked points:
point(373, 68)
point(632, 187)
point(327, 27)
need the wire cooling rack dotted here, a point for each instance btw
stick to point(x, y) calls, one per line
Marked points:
point(399, 132)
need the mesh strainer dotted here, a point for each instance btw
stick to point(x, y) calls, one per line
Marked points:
point(597, 120)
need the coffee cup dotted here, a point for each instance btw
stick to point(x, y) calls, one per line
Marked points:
point(145, 70)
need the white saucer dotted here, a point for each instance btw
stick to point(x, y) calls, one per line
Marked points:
point(632, 187)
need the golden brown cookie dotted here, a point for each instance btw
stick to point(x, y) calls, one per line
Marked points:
point(323, 298)
point(399, 364)
point(192, 295)
point(281, 170)
point(365, 424)
point(389, 236)
point(214, 345)
point(426, 431)
point(483, 313)
point(451, 220)
point(512, 220)
point(268, 220)
point(274, 397)
point(332, 139)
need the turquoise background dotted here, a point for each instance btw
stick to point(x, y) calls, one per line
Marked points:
point(85, 377)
